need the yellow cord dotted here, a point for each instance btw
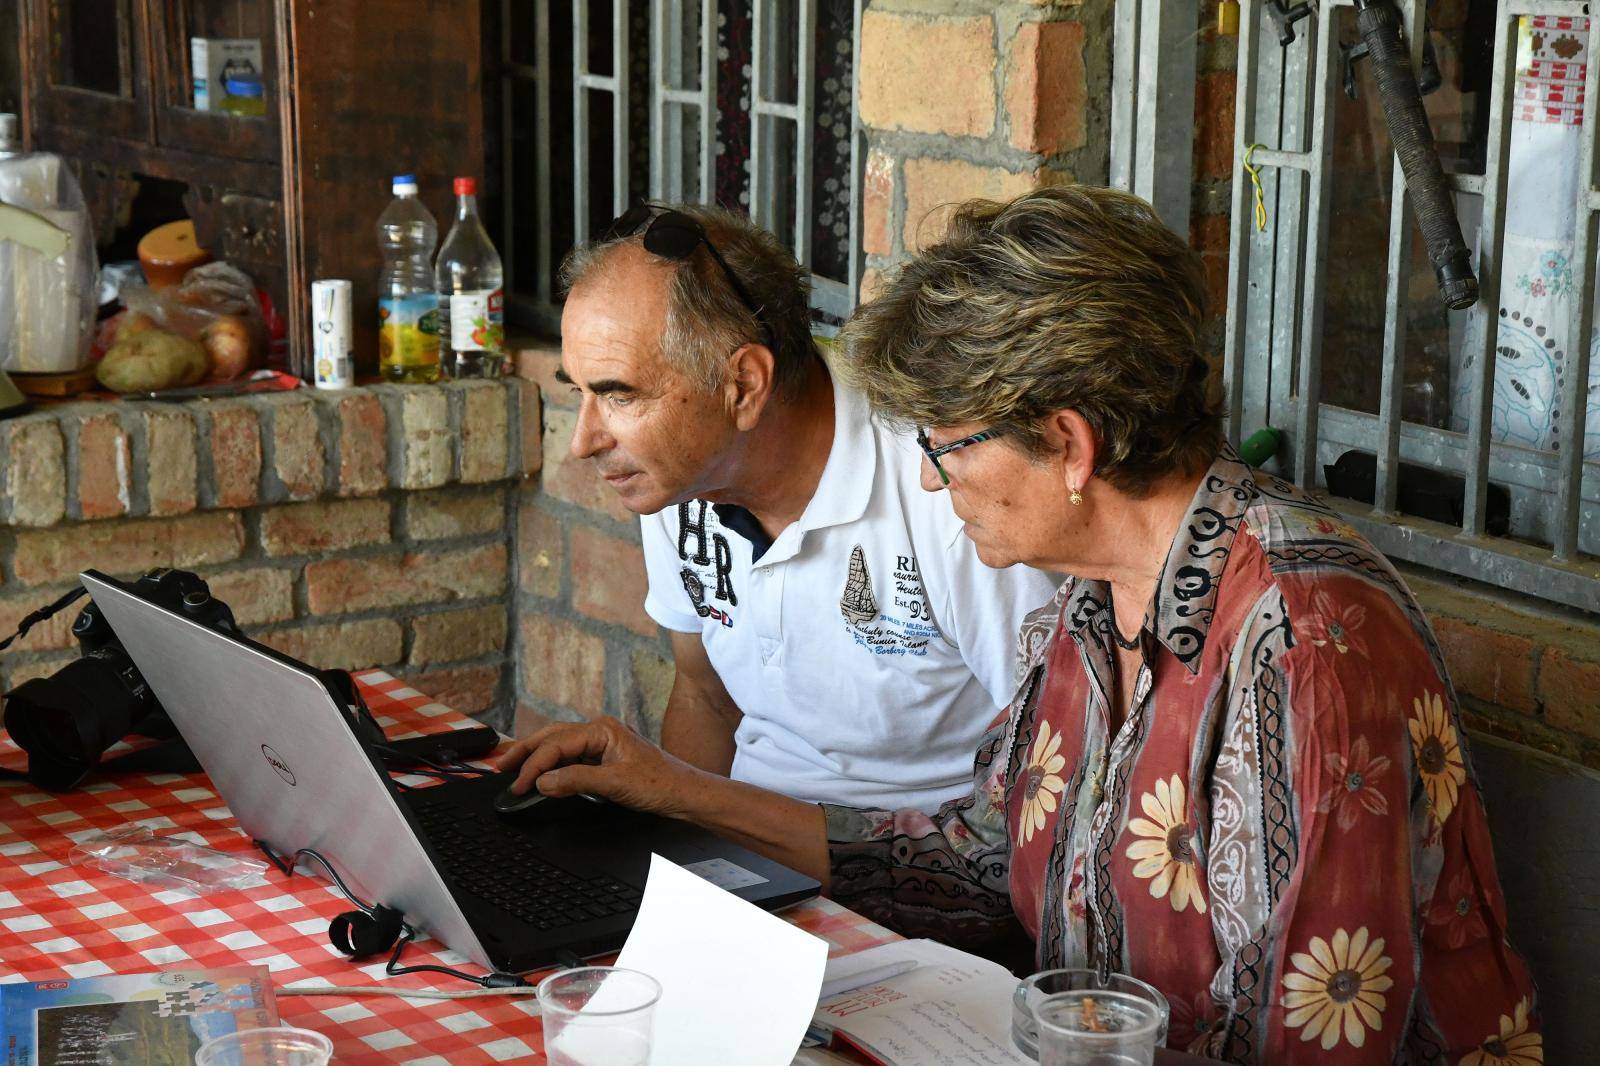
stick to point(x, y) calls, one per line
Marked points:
point(1255, 180)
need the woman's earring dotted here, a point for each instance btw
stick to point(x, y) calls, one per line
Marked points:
point(1074, 497)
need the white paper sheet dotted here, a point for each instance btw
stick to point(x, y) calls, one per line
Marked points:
point(954, 1009)
point(738, 984)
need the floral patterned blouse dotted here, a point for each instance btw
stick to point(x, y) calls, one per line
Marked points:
point(1284, 836)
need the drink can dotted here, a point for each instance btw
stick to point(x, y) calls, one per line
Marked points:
point(331, 347)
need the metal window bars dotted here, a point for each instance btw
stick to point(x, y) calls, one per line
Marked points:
point(683, 116)
point(1276, 289)
point(616, 86)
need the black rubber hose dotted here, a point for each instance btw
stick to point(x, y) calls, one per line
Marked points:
point(1379, 23)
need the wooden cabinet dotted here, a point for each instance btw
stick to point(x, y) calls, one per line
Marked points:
point(355, 91)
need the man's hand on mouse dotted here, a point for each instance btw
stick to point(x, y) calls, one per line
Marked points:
point(601, 758)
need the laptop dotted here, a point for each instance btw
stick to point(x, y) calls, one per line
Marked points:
point(559, 883)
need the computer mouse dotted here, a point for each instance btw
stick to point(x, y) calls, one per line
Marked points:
point(508, 802)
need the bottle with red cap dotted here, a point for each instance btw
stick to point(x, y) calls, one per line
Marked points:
point(471, 302)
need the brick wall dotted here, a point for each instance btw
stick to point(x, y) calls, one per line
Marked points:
point(367, 528)
point(584, 644)
point(963, 98)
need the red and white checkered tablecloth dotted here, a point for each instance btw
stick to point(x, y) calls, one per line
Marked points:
point(59, 920)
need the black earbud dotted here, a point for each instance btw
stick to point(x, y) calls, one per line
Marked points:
point(359, 934)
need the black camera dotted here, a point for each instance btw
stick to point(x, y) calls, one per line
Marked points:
point(65, 722)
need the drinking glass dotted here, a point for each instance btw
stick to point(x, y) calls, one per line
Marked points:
point(1089, 1027)
point(1032, 991)
point(281, 1045)
point(598, 1016)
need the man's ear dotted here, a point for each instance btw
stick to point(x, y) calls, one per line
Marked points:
point(748, 386)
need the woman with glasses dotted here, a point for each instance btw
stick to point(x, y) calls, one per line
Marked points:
point(1233, 766)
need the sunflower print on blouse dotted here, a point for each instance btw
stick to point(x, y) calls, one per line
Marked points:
point(1165, 853)
point(1512, 1045)
point(1042, 784)
point(1438, 754)
point(1336, 989)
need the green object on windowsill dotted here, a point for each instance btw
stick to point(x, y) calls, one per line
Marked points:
point(1261, 445)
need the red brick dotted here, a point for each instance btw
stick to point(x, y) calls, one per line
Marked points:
point(877, 205)
point(540, 553)
point(17, 673)
point(104, 465)
point(1210, 233)
point(128, 548)
point(342, 645)
point(575, 480)
point(323, 526)
point(485, 446)
point(50, 635)
point(563, 664)
point(649, 685)
point(932, 185)
point(425, 459)
point(539, 365)
point(445, 514)
point(36, 471)
point(1216, 272)
point(452, 636)
point(339, 586)
point(1569, 689)
point(1045, 87)
point(530, 428)
point(172, 468)
point(871, 282)
point(529, 718)
point(467, 689)
point(1213, 124)
point(363, 446)
point(258, 596)
point(927, 74)
point(235, 455)
point(608, 579)
point(298, 456)
point(1487, 664)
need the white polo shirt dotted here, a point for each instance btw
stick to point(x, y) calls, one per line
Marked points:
point(867, 646)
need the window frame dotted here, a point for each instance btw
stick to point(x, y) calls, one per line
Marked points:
point(670, 99)
point(1272, 360)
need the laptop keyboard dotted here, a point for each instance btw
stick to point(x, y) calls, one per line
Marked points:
point(510, 873)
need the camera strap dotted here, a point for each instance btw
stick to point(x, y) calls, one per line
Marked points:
point(33, 619)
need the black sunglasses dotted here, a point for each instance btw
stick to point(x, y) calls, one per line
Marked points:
point(675, 235)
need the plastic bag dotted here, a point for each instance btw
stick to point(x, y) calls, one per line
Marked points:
point(134, 853)
point(47, 304)
point(215, 305)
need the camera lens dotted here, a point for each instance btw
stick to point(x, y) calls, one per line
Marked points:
point(66, 721)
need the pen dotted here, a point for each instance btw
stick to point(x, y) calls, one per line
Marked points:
point(851, 982)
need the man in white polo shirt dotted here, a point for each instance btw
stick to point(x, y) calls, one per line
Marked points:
point(836, 637)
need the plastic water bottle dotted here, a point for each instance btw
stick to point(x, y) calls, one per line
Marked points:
point(471, 301)
point(408, 303)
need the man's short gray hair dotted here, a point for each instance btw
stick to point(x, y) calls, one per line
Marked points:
point(706, 319)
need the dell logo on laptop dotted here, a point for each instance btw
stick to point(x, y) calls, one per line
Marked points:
point(275, 761)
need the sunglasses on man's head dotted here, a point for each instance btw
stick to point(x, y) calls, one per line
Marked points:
point(674, 235)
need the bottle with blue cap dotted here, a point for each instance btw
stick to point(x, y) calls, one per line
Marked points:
point(408, 303)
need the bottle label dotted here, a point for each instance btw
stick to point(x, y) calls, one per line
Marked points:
point(477, 321)
point(408, 330)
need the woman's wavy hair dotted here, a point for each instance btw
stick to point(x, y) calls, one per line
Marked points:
point(1067, 297)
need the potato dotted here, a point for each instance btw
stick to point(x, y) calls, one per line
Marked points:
point(132, 324)
point(152, 360)
point(228, 344)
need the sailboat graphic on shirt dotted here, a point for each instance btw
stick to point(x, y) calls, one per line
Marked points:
point(858, 604)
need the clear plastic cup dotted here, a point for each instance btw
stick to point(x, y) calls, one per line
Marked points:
point(1095, 1028)
point(598, 1016)
point(279, 1046)
point(1034, 990)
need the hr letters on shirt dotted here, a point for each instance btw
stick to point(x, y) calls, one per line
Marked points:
point(695, 575)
